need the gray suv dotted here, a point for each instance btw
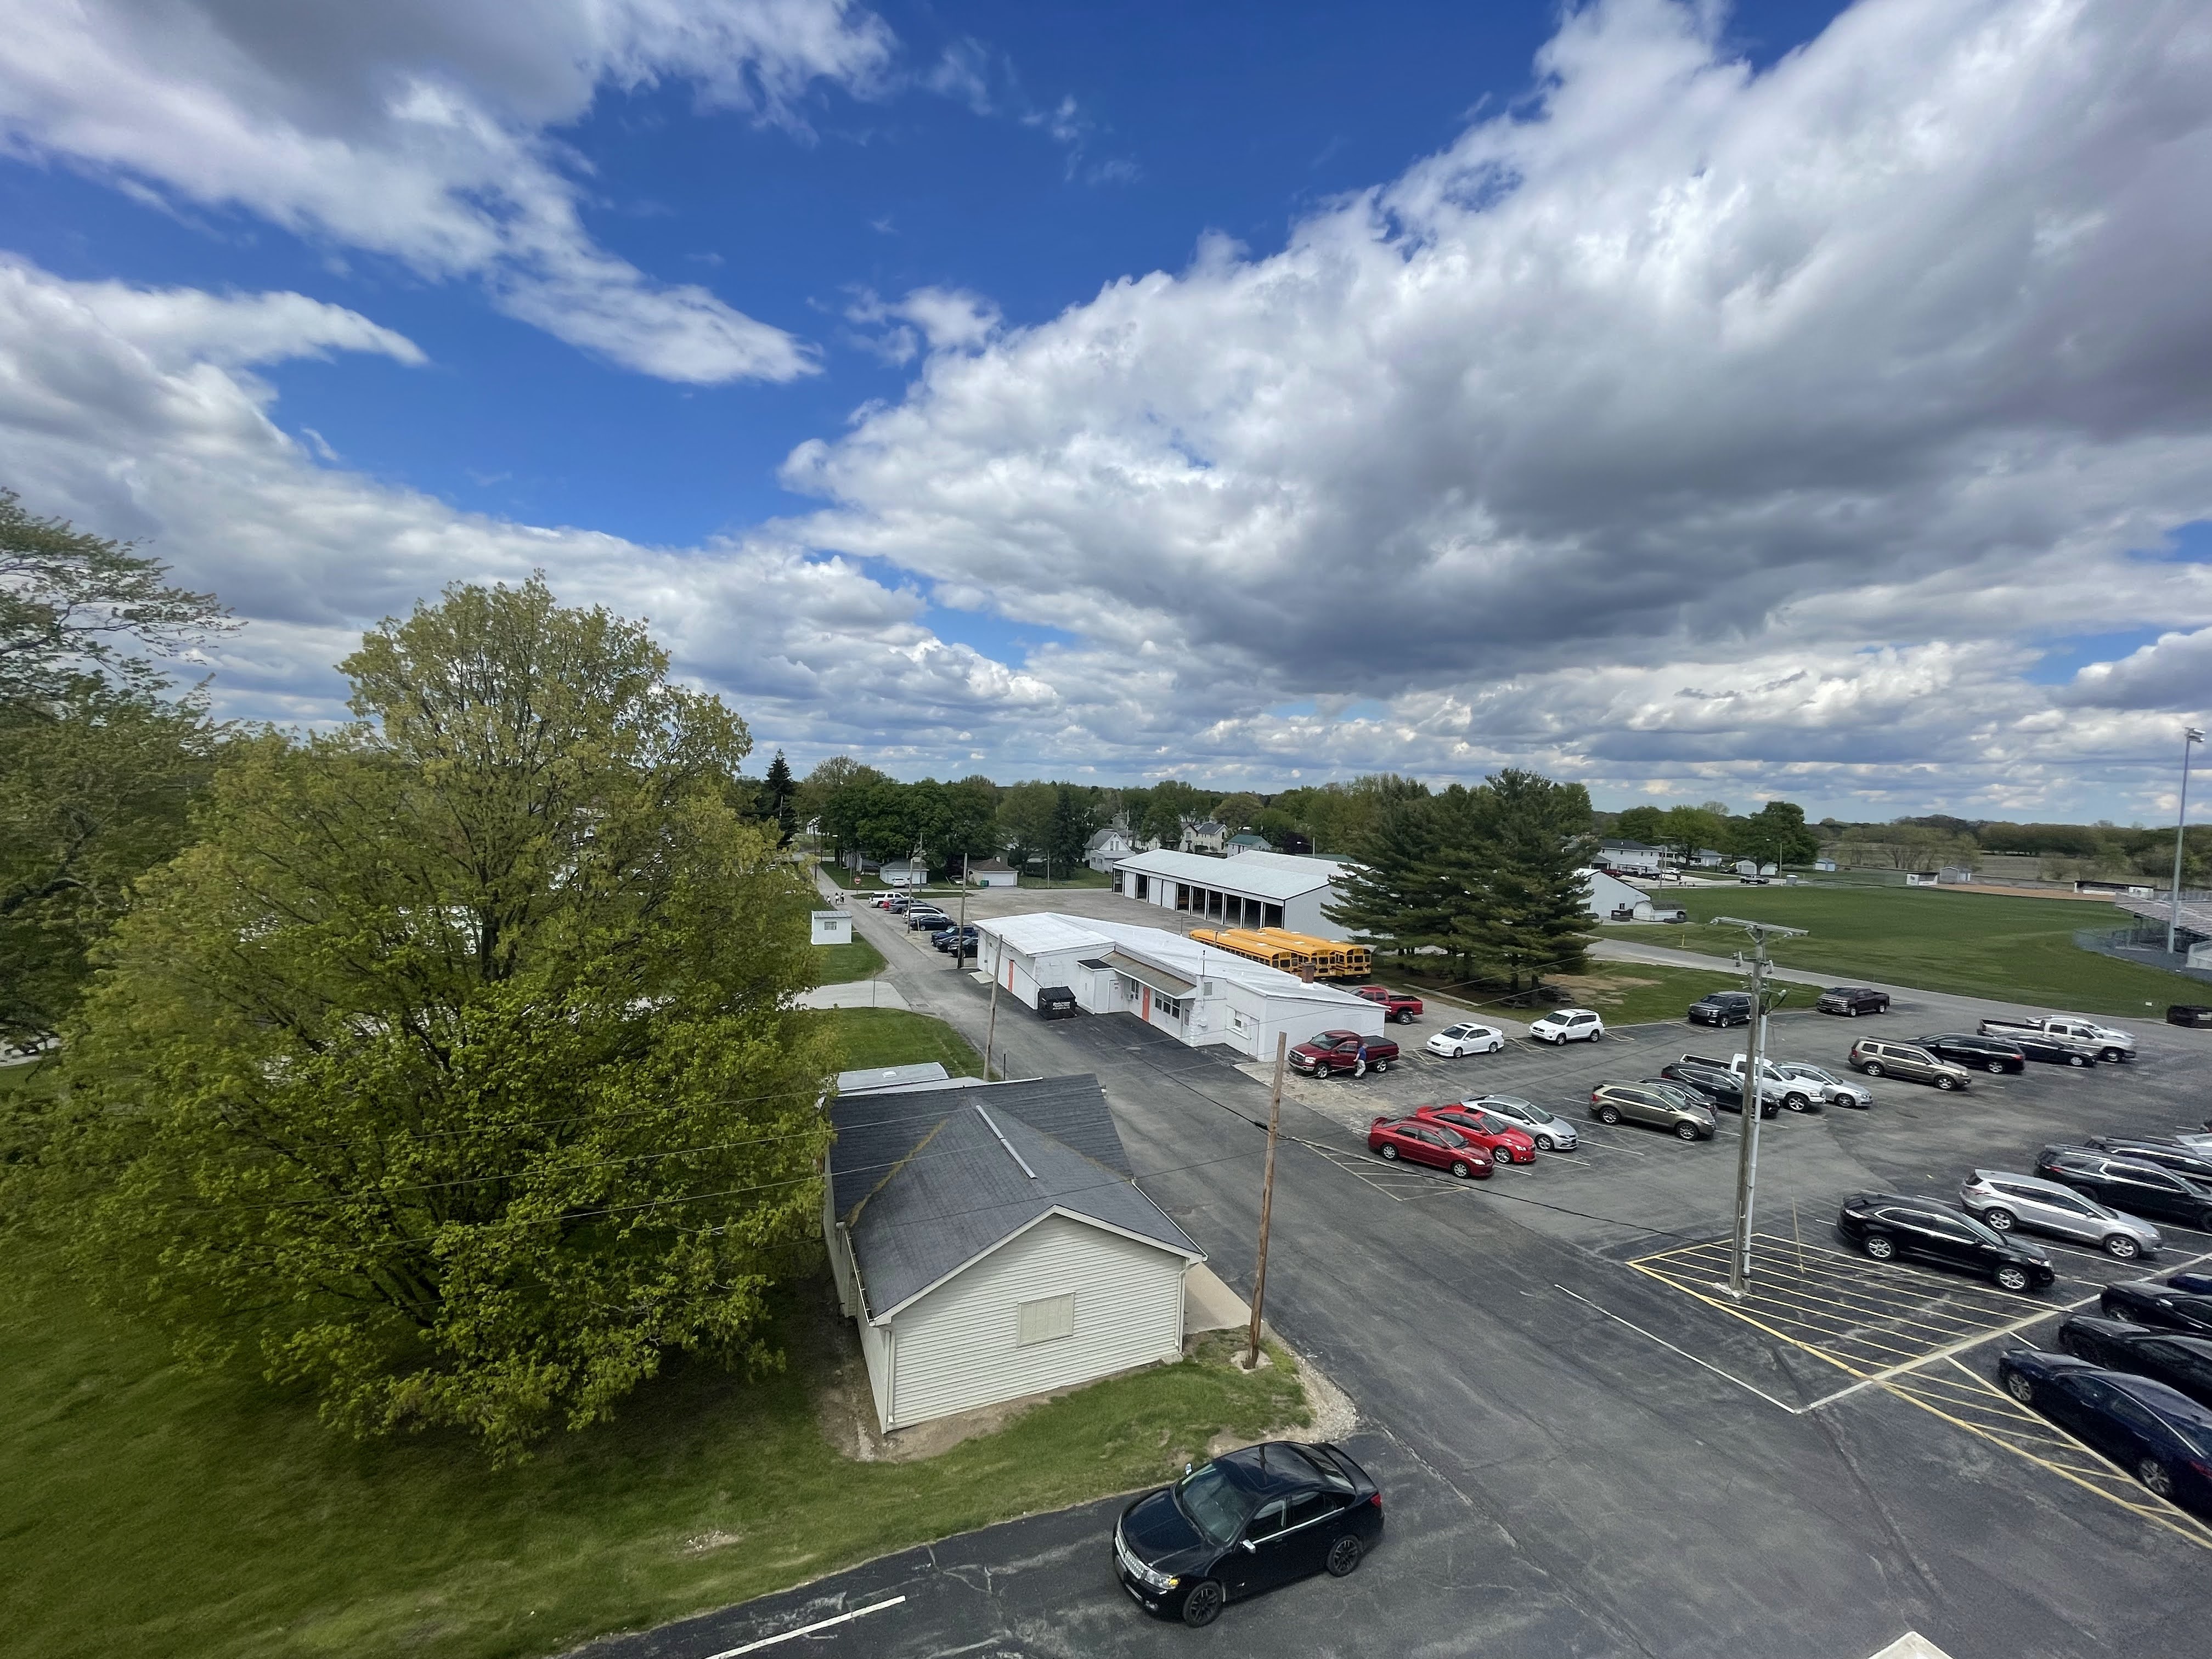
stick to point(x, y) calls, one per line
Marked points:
point(1659, 1104)
point(1908, 1060)
point(2004, 1201)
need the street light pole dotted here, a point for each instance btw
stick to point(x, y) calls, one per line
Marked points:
point(1752, 1091)
point(2191, 735)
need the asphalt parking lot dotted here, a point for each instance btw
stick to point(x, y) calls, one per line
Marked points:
point(1588, 1448)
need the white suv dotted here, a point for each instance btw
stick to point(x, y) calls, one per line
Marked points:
point(1568, 1025)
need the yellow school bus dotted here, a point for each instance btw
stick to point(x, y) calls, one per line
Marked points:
point(1249, 944)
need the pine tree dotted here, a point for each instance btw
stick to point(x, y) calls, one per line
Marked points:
point(1533, 916)
point(777, 792)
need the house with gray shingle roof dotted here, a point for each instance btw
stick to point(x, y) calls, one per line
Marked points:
point(989, 1243)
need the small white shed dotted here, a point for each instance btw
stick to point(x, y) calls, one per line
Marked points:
point(833, 927)
point(989, 1244)
point(993, 872)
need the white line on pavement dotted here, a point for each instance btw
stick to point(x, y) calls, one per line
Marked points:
point(806, 1629)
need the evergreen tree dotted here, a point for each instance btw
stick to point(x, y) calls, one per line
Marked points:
point(1532, 915)
point(778, 794)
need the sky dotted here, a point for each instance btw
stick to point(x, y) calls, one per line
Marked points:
point(1696, 402)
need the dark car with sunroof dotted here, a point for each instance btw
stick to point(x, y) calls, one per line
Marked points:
point(2156, 1433)
point(1246, 1523)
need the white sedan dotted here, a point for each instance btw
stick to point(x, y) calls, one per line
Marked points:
point(1455, 1042)
point(1568, 1025)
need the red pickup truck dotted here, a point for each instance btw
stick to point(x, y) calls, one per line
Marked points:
point(1343, 1051)
point(1402, 1007)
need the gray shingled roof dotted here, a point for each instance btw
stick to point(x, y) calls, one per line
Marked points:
point(925, 1185)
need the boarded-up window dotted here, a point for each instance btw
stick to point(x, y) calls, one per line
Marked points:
point(1046, 1320)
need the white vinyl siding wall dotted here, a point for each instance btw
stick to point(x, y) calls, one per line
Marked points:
point(960, 1347)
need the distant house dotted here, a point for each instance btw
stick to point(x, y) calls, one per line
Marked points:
point(993, 872)
point(1611, 899)
point(1245, 841)
point(1706, 858)
point(1203, 836)
point(989, 1243)
point(904, 872)
point(1108, 847)
point(1630, 857)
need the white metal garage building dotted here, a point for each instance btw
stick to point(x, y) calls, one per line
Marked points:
point(1198, 995)
point(990, 1244)
point(1255, 889)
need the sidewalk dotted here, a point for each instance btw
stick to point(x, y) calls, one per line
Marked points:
point(877, 993)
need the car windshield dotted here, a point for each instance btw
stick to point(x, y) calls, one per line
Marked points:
point(1512, 1106)
point(1212, 1502)
point(1805, 1074)
point(1455, 1030)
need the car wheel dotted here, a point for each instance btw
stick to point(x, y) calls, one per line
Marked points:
point(2009, 1277)
point(1202, 1605)
point(2156, 1477)
point(2204, 1221)
point(1344, 1556)
point(1324, 1071)
point(1872, 1068)
point(1798, 1102)
point(1389, 1151)
point(1881, 1248)
point(1379, 1067)
point(2112, 1056)
point(1543, 1143)
point(1686, 1131)
point(1946, 1084)
point(2020, 1388)
point(1853, 1011)
point(1994, 1066)
point(2077, 1060)
point(1596, 1035)
point(2000, 1219)
point(2121, 1247)
point(1462, 1170)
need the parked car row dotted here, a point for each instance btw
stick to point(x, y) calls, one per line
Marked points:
point(1469, 1138)
point(2142, 1398)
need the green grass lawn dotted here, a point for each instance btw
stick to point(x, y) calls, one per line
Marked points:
point(843, 962)
point(145, 1509)
point(895, 1036)
point(2016, 949)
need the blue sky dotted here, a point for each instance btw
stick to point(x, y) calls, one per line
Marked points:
point(1181, 526)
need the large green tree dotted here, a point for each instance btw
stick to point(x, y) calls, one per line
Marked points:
point(1528, 914)
point(452, 1070)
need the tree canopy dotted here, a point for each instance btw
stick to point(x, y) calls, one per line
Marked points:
point(451, 1070)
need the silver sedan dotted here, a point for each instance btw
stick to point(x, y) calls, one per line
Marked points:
point(1835, 1091)
point(2004, 1201)
point(1550, 1131)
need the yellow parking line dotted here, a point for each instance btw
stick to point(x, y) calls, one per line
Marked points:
point(1726, 1308)
point(1848, 1320)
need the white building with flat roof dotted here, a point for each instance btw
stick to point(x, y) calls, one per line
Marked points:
point(1197, 993)
point(1254, 890)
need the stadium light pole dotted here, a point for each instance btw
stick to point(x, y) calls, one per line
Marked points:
point(2190, 736)
point(1753, 1091)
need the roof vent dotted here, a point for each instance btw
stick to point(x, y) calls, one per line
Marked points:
point(1004, 1142)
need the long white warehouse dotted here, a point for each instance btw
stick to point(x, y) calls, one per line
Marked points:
point(1200, 996)
point(1255, 890)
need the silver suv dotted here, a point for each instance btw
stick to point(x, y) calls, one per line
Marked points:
point(2004, 1201)
point(1908, 1060)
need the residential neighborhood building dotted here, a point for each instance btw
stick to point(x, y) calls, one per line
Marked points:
point(993, 872)
point(1203, 835)
point(904, 872)
point(1198, 994)
point(1630, 857)
point(1244, 841)
point(1257, 889)
point(1611, 899)
point(989, 1243)
point(1108, 846)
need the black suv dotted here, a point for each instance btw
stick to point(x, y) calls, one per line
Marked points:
point(1887, 1226)
point(1982, 1053)
point(2128, 1183)
point(2166, 1154)
point(1721, 1090)
point(1722, 1008)
point(1853, 999)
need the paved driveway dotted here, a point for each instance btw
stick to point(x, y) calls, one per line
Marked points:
point(1585, 1452)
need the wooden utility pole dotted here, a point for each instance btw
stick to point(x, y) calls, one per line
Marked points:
point(991, 1026)
point(1267, 1198)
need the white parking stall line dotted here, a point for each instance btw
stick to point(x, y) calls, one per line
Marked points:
point(806, 1629)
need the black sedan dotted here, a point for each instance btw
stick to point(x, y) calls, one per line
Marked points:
point(2162, 1437)
point(1244, 1523)
point(2166, 1154)
point(2182, 1363)
point(2148, 1302)
point(2051, 1050)
point(1887, 1226)
point(2130, 1183)
point(1982, 1053)
point(1722, 1091)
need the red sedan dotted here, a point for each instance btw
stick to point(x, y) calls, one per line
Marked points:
point(1415, 1140)
point(1504, 1140)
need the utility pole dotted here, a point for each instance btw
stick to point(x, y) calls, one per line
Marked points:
point(1267, 1199)
point(2191, 735)
point(1753, 1095)
point(991, 1026)
point(960, 939)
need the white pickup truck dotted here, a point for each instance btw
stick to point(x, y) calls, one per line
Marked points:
point(2110, 1044)
point(1795, 1085)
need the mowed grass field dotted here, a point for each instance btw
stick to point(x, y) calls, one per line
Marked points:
point(146, 1508)
point(2016, 949)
